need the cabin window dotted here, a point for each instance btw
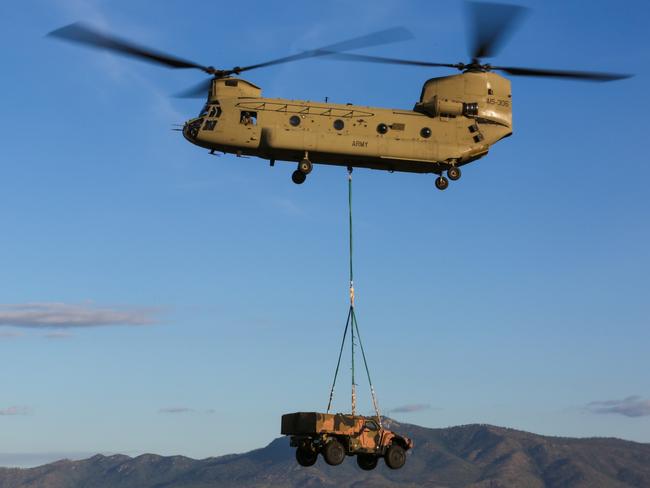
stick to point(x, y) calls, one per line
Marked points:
point(490, 91)
point(209, 125)
point(425, 132)
point(294, 120)
point(248, 118)
point(478, 137)
point(339, 124)
point(232, 82)
point(382, 128)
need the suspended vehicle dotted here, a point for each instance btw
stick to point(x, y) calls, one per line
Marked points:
point(335, 436)
point(455, 122)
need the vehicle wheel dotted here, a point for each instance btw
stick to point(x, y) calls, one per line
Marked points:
point(298, 177)
point(453, 173)
point(367, 462)
point(305, 166)
point(442, 183)
point(333, 452)
point(306, 457)
point(395, 456)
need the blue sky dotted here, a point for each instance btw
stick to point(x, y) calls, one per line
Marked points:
point(517, 297)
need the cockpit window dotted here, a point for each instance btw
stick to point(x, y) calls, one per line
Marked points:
point(215, 111)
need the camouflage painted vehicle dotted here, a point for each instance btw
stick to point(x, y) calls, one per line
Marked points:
point(337, 435)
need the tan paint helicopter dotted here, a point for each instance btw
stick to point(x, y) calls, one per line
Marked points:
point(455, 121)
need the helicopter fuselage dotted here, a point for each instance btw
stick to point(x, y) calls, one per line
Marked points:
point(455, 122)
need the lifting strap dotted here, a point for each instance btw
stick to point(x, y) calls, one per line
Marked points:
point(352, 325)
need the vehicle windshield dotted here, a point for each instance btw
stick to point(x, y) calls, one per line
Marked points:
point(371, 425)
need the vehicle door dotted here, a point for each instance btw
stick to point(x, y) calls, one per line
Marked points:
point(370, 435)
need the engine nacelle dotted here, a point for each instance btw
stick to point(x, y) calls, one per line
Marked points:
point(479, 95)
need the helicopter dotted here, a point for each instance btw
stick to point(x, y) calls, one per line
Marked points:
point(455, 122)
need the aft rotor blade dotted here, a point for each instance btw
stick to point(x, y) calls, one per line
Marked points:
point(199, 90)
point(84, 34)
point(490, 24)
point(551, 73)
point(385, 36)
point(378, 59)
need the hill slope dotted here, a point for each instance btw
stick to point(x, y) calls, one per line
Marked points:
point(477, 456)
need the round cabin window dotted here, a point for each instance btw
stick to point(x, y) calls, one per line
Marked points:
point(339, 124)
point(382, 128)
point(294, 120)
point(425, 132)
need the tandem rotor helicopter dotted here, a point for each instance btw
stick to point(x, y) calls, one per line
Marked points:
point(455, 122)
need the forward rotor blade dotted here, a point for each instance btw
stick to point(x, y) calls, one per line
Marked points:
point(386, 36)
point(490, 24)
point(379, 59)
point(199, 90)
point(84, 34)
point(550, 73)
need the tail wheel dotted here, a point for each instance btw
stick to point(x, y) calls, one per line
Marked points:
point(367, 462)
point(333, 452)
point(395, 456)
point(306, 457)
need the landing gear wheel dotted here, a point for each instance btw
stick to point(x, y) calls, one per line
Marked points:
point(367, 462)
point(306, 457)
point(395, 456)
point(333, 452)
point(453, 173)
point(305, 166)
point(298, 177)
point(441, 183)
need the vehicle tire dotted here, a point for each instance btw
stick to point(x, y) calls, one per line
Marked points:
point(333, 452)
point(306, 457)
point(395, 456)
point(453, 173)
point(367, 462)
point(305, 166)
point(442, 183)
point(298, 177)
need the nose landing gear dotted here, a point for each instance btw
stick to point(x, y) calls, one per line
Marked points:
point(453, 173)
point(442, 183)
point(298, 177)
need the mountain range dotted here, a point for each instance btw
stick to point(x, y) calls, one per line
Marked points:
point(476, 456)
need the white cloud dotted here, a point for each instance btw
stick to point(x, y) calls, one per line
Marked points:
point(415, 407)
point(175, 410)
point(15, 410)
point(63, 315)
point(632, 406)
point(172, 410)
point(9, 334)
point(57, 335)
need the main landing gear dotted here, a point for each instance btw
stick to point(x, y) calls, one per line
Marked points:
point(453, 174)
point(304, 168)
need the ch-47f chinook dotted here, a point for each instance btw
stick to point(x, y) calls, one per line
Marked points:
point(456, 121)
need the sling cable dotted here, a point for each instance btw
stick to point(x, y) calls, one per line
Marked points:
point(352, 326)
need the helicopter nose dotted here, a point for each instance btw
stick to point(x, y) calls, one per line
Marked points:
point(191, 128)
